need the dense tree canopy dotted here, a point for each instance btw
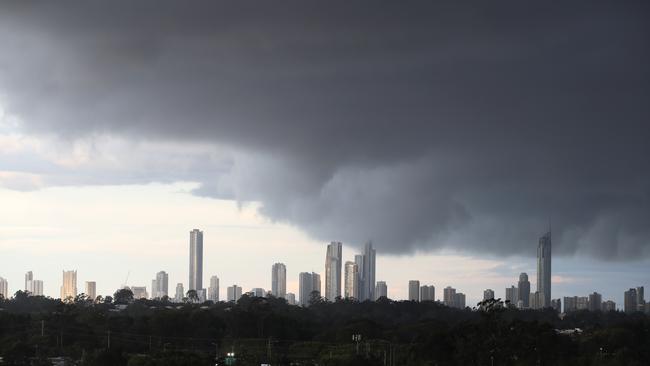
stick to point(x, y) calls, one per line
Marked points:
point(268, 330)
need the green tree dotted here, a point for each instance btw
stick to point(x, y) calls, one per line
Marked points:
point(123, 296)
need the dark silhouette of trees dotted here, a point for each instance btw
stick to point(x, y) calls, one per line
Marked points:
point(268, 330)
point(123, 296)
point(192, 296)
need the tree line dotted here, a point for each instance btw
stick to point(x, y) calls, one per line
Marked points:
point(118, 330)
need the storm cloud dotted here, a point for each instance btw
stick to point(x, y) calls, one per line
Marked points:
point(461, 125)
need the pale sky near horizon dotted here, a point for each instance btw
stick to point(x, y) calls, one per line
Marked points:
point(449, 134)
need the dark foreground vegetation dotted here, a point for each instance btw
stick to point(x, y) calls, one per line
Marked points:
point(34, 330)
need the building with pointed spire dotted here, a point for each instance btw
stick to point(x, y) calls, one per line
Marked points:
point(544, 269)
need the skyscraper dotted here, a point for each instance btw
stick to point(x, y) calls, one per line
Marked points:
point(180, 293)
point(449, 296)
point(33, 287)
point(213, 290)
point(291, 298)
point(459, 300)
point(139, 292)
point(333, 264)
point(640, 299)
point(69, 287)
point(367, 273)
point(91, 290)
point(160, 286)
point(358, 260)
point(257, 292)
point(37, 288)
point(351, 280)
point(523, 286)
point(29, 276)
point(427, 293)
point(308, 283)
point(234, 293)
point(512, 295)
point(196, 260)
point(4, 288)
point(630, 301)
point(279, 280)
point(583, 303)
point(381, 290)
point(595, 302)
point(544, 269)
point(414, 290)
point(608, 305)
point(488, 294)
point(570, 303)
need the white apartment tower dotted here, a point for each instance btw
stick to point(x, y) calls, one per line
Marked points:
point(213, 290)
point(69, 287)
point(309, 283)
point(4, 288)
point(196, 260)
point(160, 285)
point(180, 293)
point(234, 293)
point(381, 290)
point(427, 293)
point(29, 276)
point(414, 290)
point(333, 264)
point(351, 280)
point(279, 280)
point(91, 290)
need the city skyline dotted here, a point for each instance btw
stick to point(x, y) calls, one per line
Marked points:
point(517, 296)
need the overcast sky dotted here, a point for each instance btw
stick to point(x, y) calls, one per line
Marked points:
point(442, 132)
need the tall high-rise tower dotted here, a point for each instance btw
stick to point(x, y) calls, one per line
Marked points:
point(91, 290)
point(279, 280)
point(29, 276)
point(309, 283)
point(367, 273)
point(414, 290)
point(351, 280)
point(196, 260)
point(69, 287)
point(160, 286)
point(4, 288)
point(381, 290)
point(333, 263)
point(544, 269)
point(213, 290)
point(180, 293)
point(523, 287)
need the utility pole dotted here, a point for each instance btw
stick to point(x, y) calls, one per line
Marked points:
point(149, 344)
point(42, 328)
point(108, 339)
point(357, 338)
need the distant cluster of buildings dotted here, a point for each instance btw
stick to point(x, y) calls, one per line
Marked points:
point(424, 293)
point(349, 280)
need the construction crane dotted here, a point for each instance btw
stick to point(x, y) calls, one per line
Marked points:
point(126, 280)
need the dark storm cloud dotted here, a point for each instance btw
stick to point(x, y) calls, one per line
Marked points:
point(418, 126)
